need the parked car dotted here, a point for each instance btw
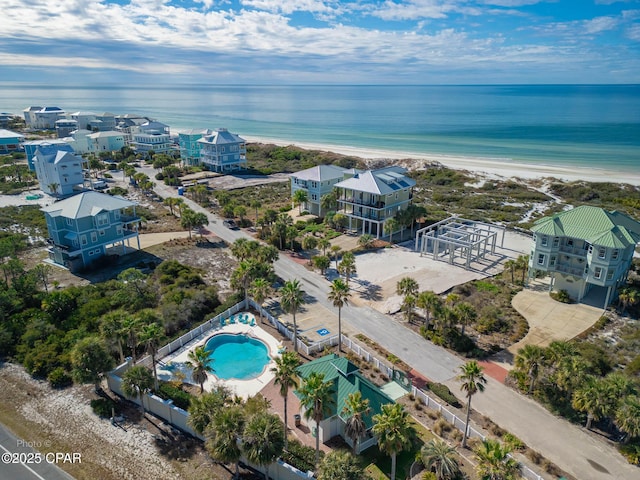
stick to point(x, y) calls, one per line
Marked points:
point(230, 224)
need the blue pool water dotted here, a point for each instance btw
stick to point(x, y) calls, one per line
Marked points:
point(237, 356)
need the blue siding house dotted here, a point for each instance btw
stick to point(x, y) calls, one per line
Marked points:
point(189, 146)
point(82, 228)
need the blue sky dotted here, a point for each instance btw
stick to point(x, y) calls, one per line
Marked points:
point(320, 41)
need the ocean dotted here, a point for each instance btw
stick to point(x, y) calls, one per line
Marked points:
point(578, 126)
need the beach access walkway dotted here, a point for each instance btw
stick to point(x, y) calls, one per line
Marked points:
point(564, 444)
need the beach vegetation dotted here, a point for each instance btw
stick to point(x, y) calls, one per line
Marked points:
point(268, 159)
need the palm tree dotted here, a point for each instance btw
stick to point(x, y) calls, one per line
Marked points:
point(150, 336)
point(291, 297)
point(328, 202)
point(408, 304)
point(339, 295)
point(224, 433)
point(355, 409)
point(466, 314)
point(255, 204)
point(200, 363)
point(394, 431)
point(429, 302)
point(202, 409)
point(366, 241)
point(529, 360)
point(594, 399)
point(286, 375)
point(130, 329)
point(263, 440)
point(390, 226)
point(347, 266)
point(260, 290)
point(511, 265)
point(300, 197)
point(522, 262)
point(473, 381)
point(340, 465)
point(324, 244)
point(628, 416)
point(407, 286)
point(335, 253)
point(111, 330)
point(627, 298)
point(322, 262)
point(440, 458)
point(317, 398)
point(136, 382)
point(495, 463)
point(54, 188)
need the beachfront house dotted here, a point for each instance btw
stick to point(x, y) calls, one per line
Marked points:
point(346, 379)
point(10, 141)
point(30, 115)
point(80, 141)
point(65, 126)
point(31, 146)
point(83, 119)
point(59, 172)
point(129, 123)
point(110, 141)
point(189, 146)
point(317, 182)
point(46, 118)
point(587, 251)
point(103, 122)
point(223, 151)
point(82, 228)
point(370, 198)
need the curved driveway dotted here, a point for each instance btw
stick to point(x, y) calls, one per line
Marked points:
point(557, 440)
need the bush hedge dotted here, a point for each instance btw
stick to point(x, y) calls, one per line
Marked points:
point(445, 394)
point(181, 399)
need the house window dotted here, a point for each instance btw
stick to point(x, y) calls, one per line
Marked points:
point(91, 253)
point(556, 241)
point(69, 221)
point(116, 213)
point(609, 274)
point(94, 237)
point(102, 232)
point(119, 229)
point(83, 240)
point(103, 219)
point(541, 259)
point(615, 254)
point(602, 252)
point(570, 242)
point(545, 241)
point(552, 261)
point(590, 249)
point(597, 273)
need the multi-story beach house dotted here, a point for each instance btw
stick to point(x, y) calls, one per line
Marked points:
point(84, 119)
point(65, 126)
point(317, 182)
point(151, 137)
point(46, 118)
point(345, 379)
point(127, 124)
point(5, 118)
point(370, 198)
point(587, 251)
point(223, 151)
point(189, 146)
point(10, 141)
point(107, 141)
point(83, 227)
point(31, 146)
point(103, 122)
point(80, 141)
point(59, 172)
point(30, 115)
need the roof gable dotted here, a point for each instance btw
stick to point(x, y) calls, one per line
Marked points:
point(381, 182)
point(86, 204)
point(321, 173)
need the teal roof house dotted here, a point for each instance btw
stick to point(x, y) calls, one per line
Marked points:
point(59, 172)
point(82, 228)
point(586, 251)
point(10, 141)
point(346, 379)
point(370, 198)
point(189, 146)
point(317, 182)
point(223, 151)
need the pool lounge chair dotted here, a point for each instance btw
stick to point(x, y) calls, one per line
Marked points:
point(243, 319)
point(232, 320)
point(222, 322)
point(253, 322)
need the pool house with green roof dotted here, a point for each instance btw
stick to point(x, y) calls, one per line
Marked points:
point(586, 251)
point(346, 379)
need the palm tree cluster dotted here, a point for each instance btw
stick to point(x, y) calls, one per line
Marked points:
point(521, 263)
point(565, 376)
point(234, 428)
point(255, 272)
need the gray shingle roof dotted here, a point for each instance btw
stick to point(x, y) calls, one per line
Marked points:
point(86, 204)
point(380, 182)
point(320, 173)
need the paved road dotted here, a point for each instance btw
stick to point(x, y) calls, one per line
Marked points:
point(556, 439)
point(10, 444)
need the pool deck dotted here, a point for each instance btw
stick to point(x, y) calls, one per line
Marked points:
point(241, 388)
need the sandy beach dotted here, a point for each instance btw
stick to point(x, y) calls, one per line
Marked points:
point(490, 167)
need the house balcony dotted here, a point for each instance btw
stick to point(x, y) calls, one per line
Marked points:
point(368, 215)
point(578, 251)
point(129, 218)
point(575, 271)
point(355, 201)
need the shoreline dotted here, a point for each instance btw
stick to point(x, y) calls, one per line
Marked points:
point(490, 167)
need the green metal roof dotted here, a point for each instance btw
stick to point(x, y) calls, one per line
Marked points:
point(592, 224)
point(346, 379)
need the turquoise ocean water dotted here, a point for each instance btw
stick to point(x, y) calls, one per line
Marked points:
point(560, 125)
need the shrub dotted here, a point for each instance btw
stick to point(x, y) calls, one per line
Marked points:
point(631, 452)
point(59, 378)
point(561, 296)
point(441, 426)
point(104, 407)
point(300, 456)
point(534, 456)
point(181, 399)
point(445, 394)
point(513, 442)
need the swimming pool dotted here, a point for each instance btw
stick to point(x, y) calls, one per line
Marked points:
point(237, 356)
